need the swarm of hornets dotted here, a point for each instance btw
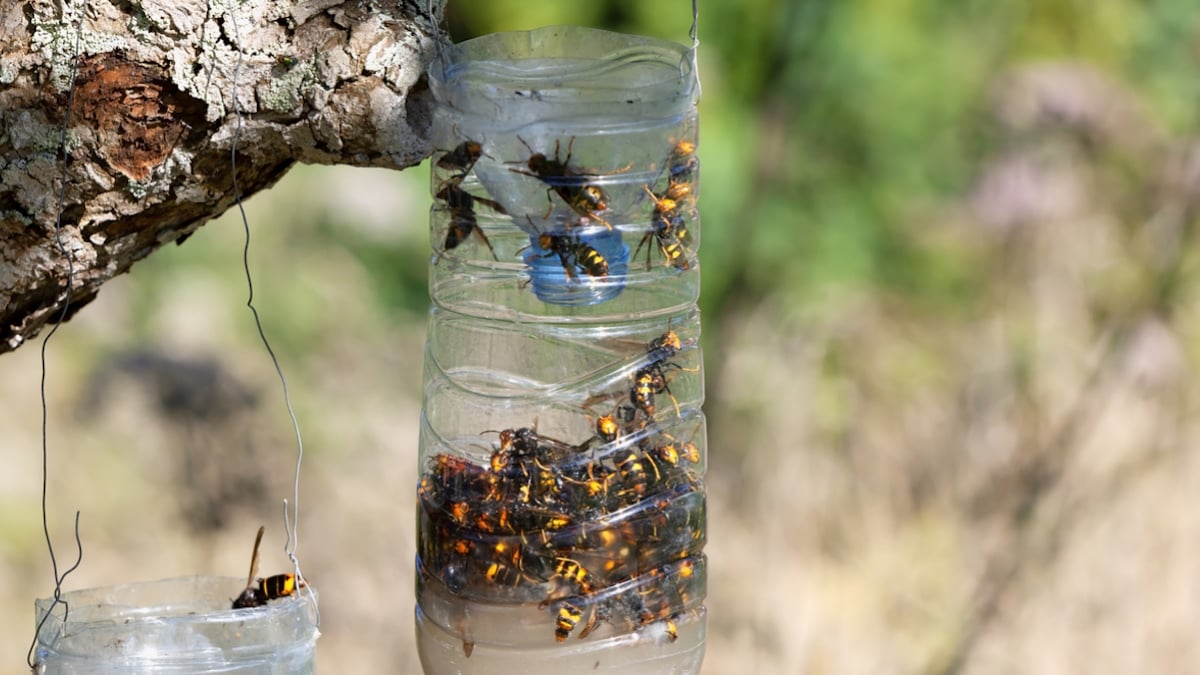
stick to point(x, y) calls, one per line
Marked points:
point(607, 530)
point(583, 195)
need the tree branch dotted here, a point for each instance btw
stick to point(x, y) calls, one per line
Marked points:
point(149, 136)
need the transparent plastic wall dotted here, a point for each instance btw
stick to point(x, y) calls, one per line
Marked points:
point(182, 625)
point(561, 503)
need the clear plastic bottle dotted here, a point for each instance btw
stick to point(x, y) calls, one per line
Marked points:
point(561, 505)
point(182, 625)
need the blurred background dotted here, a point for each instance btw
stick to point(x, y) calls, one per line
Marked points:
point(952, 319)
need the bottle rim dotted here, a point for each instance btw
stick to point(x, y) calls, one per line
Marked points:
point(152, 621)
point(567, 69)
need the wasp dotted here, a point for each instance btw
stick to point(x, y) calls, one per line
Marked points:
point(668, 599)
point(522, 442)
point(260, 591)
point(453, 479)
point(425, 489)
point(673, 455)
point(607, 428)
point(463, 220)
point(462, 158)
point(690, 452)
point(549, 483)
point(570, 612)
point(547, 529)
point(568, 615)
point(459, 511)
point(656, 599)
point(678, 192)
point(525, 444)
point(663, 347)
point(647, 382)
point(511, 461)
point(574, 573)
point(670, 462)
point(494, 517)
point(571, 186)
point(588, 493)
point(667, 228)
point(659, 599)
point(654, 606)
point(553, 521)
point(576, 576)
point(537, 483)
point(523, 466)
point(459, 202)
point(671, 452)
point(683, 163)
point(505, 566)
point(573, 253)
point(651, 379)
point(615, 553)
point(633, 472)
point(663, 525)
point(504, 574)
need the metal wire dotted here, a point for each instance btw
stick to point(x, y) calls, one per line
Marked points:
point(291, 520)
point(438, 37)
point(60, 157)
point(694, 33)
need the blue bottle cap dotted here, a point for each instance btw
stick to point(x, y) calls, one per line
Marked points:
point(566, 271)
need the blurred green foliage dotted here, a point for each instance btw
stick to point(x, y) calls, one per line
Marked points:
point(833, 127)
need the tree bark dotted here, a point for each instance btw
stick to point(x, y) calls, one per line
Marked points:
point(154, 117)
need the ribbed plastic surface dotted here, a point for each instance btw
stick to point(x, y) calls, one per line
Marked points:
point(561, 506)
point(182, 625)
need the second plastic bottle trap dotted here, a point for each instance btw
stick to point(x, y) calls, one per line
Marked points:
point(561, 501)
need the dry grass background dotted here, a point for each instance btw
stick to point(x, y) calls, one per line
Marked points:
point(1005, 487)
